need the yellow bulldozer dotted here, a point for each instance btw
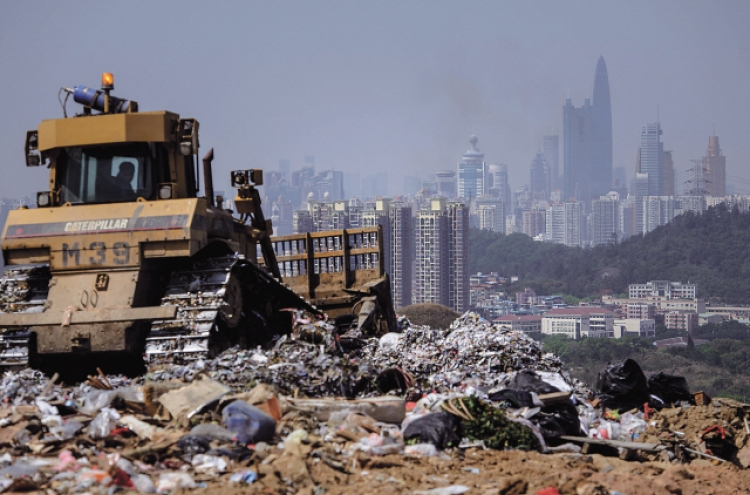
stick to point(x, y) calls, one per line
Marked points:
point(123, 259)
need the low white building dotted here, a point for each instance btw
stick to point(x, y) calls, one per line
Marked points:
point(524, 323)
point(634, 327)
point(576, 323)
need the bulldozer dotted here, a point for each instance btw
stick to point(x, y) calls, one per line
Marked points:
point(123, 259)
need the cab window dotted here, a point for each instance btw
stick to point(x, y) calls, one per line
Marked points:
point(108, 174)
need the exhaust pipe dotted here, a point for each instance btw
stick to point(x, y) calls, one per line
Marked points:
point(208, 177)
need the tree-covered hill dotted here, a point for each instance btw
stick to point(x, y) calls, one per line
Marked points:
point(711, 249)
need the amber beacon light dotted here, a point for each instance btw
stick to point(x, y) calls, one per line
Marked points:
point(108, 81)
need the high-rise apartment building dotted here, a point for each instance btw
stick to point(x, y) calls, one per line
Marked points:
point(652, 158)
point(432, 232)
point(533, 222)
point(302, 222)
point(540, 178)
point(657, 211)
point(401, 254)
point(396, 222)
point(491, 214)
point(715, 164)
point(458, 256)
point(605, 219)
point(552, 156)
point(471, 172)
point(563, 223)
point(601, 137)
point(442, 243)
point(640, 192)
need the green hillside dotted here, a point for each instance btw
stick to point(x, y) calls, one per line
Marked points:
point(711, 250)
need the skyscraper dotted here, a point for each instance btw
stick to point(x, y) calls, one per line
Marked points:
point(501, 186)
point(540, 180)
point(601, 139)
point(652, 158)
point(552, 155)
point(668, 166)
point(471, 172)
point(587, 143)
point(715, 164)
point(577, 134)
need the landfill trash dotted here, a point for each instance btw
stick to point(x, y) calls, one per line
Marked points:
point(103, 423)
point(439, 429)
point(174, 480)
point(473, 386)
point(191, 399)
point(444, 490)
point(209, 464)
point(669, 389)
point(622, 386)
point(140, 428)
point(247, 477)
point(248, 423)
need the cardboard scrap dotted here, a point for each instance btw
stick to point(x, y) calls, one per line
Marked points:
point(192, 399)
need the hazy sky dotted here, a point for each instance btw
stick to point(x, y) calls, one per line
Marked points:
point(397, 86)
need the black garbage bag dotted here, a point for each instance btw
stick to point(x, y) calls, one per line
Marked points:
point(530, 382)
point(516, 398)
point(558, 419)
point(669, 388)
point(622, 386)
point(194, 444)
point(440, 429)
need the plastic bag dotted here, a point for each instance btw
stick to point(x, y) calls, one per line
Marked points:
point(103, 423)
point(171, 481)
point(558, 419)
point(516, 398)
point(213, 432)
point(669, 388)
point(622, 386)
point(248, 423)
point(530, 382)
point(440, 429)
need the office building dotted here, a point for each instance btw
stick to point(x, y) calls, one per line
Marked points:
point(552, 156)
point(446, 184)
point(601, 137)
point(471, 172)
point(577, 129)
point(662, 288)
point(540, 181)
point(715, 164)
point(652, 158)
point(669, 185)
point(500, 186)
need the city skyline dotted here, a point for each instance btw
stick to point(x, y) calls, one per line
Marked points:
point(386, 86)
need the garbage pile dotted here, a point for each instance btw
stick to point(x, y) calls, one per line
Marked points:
point(270, 416)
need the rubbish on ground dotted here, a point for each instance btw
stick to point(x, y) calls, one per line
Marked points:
point(192, 399)
point(248, 423)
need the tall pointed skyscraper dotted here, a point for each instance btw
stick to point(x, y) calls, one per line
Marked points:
point(601, 145)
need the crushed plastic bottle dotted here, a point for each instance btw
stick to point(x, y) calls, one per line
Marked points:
point(248, 423)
